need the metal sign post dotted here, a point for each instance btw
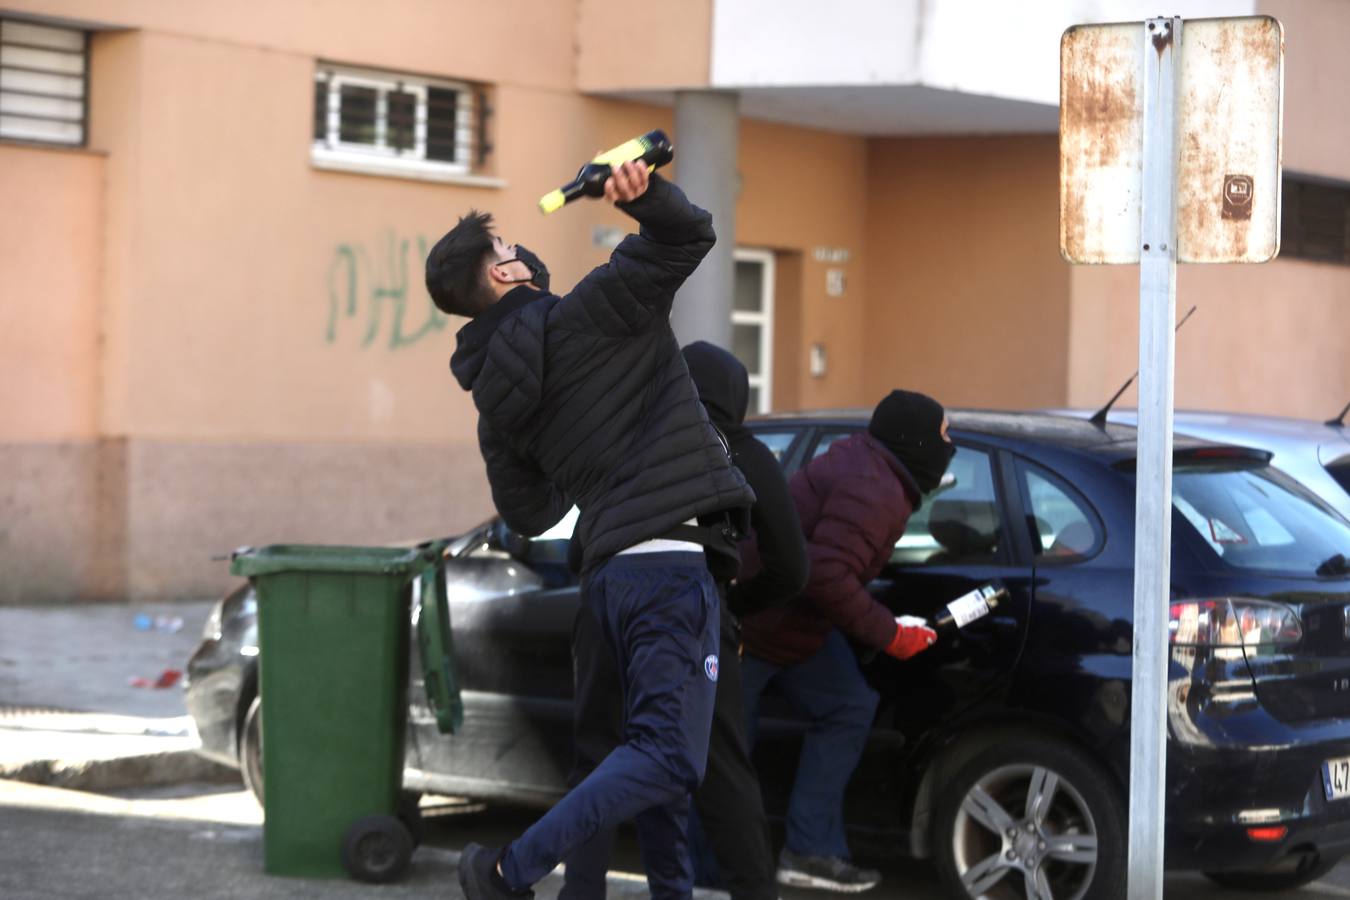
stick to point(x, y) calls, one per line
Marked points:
point(1153, 479)
point(1169, 152)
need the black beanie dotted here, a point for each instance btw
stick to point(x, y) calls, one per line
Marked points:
point(910, 425)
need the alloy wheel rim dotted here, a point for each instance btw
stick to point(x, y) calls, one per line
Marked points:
point(1024, 831)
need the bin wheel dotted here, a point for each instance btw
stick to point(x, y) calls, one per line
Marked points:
point(376, 849)
point(410, 814)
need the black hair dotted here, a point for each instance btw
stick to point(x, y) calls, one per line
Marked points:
point(455, 278)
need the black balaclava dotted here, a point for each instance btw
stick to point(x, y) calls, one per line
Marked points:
point(723, 384)
point(910, 425)
point(538, 271)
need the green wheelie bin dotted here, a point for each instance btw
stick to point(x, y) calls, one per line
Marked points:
point(333, 634)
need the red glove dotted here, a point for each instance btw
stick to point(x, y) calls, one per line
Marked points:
point(910, 639)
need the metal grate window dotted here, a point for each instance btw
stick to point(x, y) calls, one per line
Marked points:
point(1315, 220)
point(44, 83)
point(401, 121)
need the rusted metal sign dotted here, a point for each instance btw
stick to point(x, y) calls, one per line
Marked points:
point(1229, 90)
point(1169, 152)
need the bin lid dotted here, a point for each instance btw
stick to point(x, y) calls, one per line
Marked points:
point(435, 643)
point(250, 561)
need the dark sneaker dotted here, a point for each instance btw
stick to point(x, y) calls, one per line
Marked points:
point(826, 873)
point(479, 879)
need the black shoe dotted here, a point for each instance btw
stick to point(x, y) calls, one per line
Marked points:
point(828, 873)
point(479, 879)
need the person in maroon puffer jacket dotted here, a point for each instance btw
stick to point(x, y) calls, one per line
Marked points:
point(854, 502)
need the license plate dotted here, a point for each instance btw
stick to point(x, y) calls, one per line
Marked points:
point(1336, 778)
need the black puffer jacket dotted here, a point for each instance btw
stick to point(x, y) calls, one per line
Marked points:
point(585, 398)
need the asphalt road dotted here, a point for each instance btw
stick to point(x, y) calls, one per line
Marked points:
point(901, 880)
point(205, 842)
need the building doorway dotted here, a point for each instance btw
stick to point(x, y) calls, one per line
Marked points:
point(752, 323)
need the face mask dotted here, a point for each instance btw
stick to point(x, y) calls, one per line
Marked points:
point(538, 271)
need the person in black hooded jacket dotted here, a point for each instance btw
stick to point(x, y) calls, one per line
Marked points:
point(724, 389)
point(729, 805)
point(584, 399)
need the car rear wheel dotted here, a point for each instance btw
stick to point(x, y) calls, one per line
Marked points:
point(1034, 820)
point(1296, 873)
point(250, 749)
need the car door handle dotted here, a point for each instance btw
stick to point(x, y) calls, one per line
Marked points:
point(992, 624)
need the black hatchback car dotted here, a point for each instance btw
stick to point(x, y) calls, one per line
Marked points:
point(1002, 752)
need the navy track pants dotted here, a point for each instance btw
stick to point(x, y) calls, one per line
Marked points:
point(732, 848)
point(659, 613)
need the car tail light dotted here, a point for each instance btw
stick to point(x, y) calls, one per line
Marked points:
point(1233, 622)
point(1267, 834)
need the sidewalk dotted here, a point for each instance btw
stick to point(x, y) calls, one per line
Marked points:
point(82, 752)
point(67, 844)
point(69, 713)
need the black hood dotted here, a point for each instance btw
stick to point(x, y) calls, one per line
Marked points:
point(723, 383)
point(472, 340)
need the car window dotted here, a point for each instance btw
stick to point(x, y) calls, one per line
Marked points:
point(1065, 529)
point(958, 524)
point(778, 442)
point(563, 530)
point(1255, 517)
point(1340, 470)
point(829, 438)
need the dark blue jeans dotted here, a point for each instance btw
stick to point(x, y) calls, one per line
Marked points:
point(729, 842)
point(659, 613)
point(829, 691)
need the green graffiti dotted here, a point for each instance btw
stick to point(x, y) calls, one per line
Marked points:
point(380, 289)
point(345, 256)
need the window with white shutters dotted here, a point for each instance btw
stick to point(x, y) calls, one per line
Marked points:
point(44, 83)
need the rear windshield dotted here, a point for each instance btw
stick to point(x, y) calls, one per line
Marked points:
point(1259, 518)
point(1340, 470)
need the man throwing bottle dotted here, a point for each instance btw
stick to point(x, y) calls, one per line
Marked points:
point(584, 399)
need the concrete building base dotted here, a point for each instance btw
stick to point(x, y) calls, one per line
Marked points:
point(147, 520)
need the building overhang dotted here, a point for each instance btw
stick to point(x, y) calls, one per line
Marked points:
point(882, 110)
point(866, 67)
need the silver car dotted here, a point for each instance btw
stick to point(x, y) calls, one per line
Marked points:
point(1317, 454)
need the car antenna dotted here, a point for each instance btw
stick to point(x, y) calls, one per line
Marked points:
point(1099, 417)
point(1339, 421)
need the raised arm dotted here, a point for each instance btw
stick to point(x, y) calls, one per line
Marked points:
point(633, 292)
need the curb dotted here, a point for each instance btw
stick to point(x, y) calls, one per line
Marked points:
point(146, 770)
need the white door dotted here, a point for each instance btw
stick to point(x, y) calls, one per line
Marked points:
point(752, 324)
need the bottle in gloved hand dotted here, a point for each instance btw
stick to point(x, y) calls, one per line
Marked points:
point(968, 607)
point(913, 634)
point(652, 148)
